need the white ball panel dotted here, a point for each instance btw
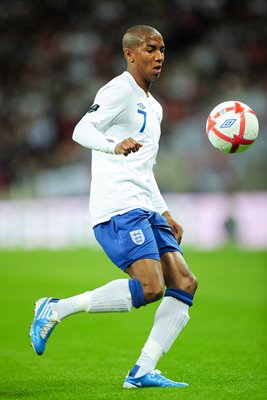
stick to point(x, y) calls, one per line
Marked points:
point(219, 143)
point(252, 126)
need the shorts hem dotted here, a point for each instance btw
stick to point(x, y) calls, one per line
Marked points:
point(126, 264)
point(170, 249)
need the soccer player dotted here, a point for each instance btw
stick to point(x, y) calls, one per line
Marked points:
point(130, 219)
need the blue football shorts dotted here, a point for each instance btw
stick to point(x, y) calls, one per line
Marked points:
point(135, 235)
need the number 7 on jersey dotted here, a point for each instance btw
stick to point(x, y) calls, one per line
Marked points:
point(144, 121)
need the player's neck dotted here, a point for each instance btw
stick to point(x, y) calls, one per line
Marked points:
point(145, 85)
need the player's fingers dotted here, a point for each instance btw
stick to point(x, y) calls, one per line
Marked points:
point(127, 146)
point(133, 145)
point(126, 152)
point(178, 233)
point(130, 145)
point(122, 148)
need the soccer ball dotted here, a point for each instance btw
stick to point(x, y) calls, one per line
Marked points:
point(232, 127)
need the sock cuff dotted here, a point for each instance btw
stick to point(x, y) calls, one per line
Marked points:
point(137, 293)
point(181, 295)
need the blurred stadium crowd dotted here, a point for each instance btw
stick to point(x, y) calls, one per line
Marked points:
point(55, 54)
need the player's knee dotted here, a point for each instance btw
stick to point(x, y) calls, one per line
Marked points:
point(190, 284)
point(153, 292)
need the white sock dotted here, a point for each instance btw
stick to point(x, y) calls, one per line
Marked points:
point(170, 318)
point(115, 296)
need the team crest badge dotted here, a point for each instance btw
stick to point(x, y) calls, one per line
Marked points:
point(137, 236)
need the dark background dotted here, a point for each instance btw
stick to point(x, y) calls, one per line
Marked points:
point(55, 54)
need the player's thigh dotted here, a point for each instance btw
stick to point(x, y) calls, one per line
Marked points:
point(177, 273)
point(128, 238)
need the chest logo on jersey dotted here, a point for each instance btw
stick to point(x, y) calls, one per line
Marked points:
point(93, 108)
point(137, 236)
point(141, 105)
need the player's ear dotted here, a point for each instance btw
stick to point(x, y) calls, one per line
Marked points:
point(129, 55)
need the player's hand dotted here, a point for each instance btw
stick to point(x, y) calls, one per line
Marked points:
point(127, 146)
point(177, 229)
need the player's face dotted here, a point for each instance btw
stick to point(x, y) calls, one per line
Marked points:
point(148, 58)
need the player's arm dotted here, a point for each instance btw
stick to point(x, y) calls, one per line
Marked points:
point(177, 229)
point(91, 130)
point(87, 135)
point(162, 208)
point(110, 103)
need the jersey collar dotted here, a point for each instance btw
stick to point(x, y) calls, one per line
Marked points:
point(136, 87)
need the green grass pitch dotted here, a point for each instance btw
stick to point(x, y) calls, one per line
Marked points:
point(221, 353)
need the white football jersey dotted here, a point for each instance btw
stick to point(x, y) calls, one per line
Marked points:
point(121, 110)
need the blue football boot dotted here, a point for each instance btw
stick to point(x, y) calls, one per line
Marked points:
point(152, 379)
point(45, 320)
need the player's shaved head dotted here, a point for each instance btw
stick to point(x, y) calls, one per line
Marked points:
point(135, 36)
